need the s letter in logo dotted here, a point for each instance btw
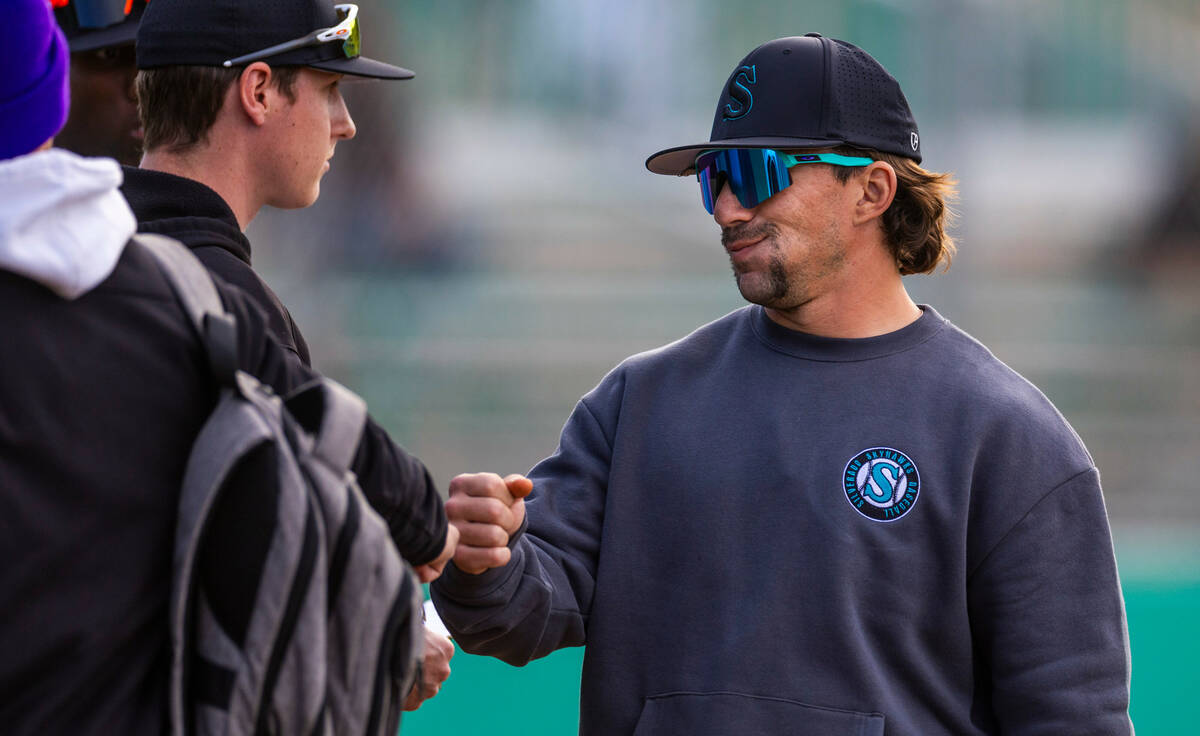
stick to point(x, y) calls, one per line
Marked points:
point(882, 484)
point(739, 92)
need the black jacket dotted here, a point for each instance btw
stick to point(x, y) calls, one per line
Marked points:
point(397, 484)
point(102, 398)
point(196, 216)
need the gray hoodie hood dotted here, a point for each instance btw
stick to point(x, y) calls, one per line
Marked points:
point(63, 222)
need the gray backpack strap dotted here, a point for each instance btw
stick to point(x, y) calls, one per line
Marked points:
point(189, 278)
point(232, 432)
point(194, 287)
point(333, 416)
point(342, 426)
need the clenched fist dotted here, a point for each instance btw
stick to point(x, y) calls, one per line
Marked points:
point(486, 509)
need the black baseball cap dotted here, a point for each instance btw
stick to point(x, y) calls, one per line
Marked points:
point(97, 24)
point(211, 32)
point(804, 92)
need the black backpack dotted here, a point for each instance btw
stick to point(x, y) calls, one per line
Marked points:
point(291, 611)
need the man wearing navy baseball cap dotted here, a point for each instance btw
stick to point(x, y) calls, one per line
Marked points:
point(830, 511)
point(104, 118)
point(241, 107)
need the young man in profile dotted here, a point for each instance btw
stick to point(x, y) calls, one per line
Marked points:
point(241, 107)
point(831, 511)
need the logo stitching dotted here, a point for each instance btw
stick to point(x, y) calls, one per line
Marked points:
point(881, 483)
point(914, 140)
point(740, 93)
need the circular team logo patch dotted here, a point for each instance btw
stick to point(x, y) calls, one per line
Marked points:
point(881, 483)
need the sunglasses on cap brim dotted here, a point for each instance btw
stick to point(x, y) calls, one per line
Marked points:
point(755, 174)
point(345, 31)
point(95, 14)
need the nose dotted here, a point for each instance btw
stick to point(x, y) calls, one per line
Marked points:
point(728, 211)
point(343, 127)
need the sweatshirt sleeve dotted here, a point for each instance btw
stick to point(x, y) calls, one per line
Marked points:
point(396, 484)
point(539, 601)
point(1049, 620)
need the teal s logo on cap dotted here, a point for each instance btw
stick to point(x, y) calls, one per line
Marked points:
point(881, 483)
point(740, 93)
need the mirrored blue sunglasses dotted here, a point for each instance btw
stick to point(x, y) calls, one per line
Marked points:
point(754, 174)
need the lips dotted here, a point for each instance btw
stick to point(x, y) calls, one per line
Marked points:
point(745, 243)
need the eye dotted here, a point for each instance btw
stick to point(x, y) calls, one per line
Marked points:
point(113, 56)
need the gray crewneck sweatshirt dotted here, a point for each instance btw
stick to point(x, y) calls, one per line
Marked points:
point(758, 531)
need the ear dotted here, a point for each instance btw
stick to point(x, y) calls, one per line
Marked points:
point(878, 183)
point(254, 92)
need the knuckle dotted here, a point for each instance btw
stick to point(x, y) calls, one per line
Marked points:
point(470, 484)
point(473, 509)
point(479, 535)
point(493, 512)
point(455, 507)
point(499, 556)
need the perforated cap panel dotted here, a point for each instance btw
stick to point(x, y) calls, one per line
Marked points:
point(866, 106)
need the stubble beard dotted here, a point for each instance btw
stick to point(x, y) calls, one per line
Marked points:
point(757, 286)
point(775, 287)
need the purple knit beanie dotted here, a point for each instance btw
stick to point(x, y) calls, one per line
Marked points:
point(34, 94)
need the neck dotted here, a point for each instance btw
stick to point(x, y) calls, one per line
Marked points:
point(222, 170)
point(864, 298)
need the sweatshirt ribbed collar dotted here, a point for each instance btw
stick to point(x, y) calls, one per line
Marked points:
point(839, 349)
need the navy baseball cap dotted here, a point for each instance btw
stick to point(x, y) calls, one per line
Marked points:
point(212, 32)
point(98, 24)
point(804, 92)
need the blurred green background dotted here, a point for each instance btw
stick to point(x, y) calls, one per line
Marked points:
point(491, 244)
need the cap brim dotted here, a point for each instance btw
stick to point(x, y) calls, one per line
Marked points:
point(118, 35)
point(681, 161)
point(361, 66)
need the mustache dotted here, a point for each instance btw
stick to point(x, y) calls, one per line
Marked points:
point(746, 231)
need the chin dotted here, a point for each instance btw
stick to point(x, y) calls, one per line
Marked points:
point(760, 291)
point(298, 201)
point(309, 201)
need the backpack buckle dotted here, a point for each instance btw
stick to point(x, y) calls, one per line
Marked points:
point(220, 340)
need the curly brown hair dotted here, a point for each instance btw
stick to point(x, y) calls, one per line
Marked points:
point(915, 224)
point(177, 105)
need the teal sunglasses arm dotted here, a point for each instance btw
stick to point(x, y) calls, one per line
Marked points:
point(793, 159)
